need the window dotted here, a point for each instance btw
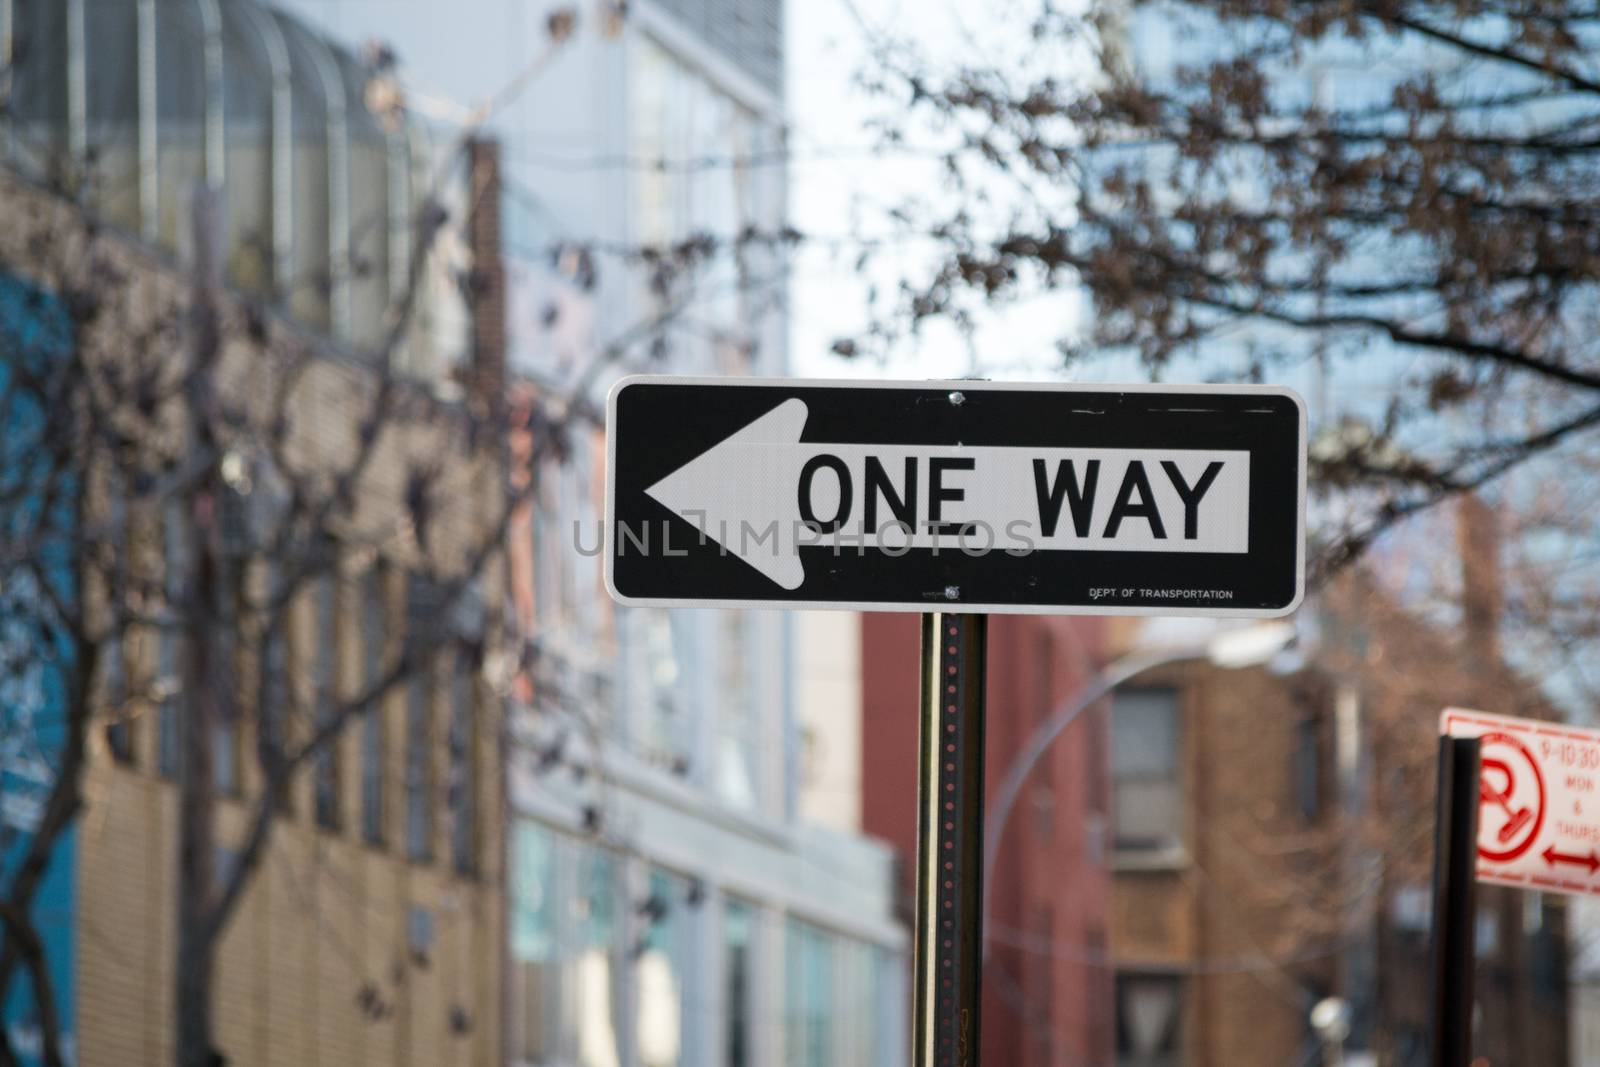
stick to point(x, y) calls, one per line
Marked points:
point(859, 999)
point(168, 685)
point(225, 727)
point(1486, 930)
point(808, 1011)
point(463, 784)
point(659, 973)
point(274, 691)
point(372, 720)
point(536, 931)
point(114, 691)
point(325, 761)
point(747, 33)
point(419, 814)
point(225, 753)
point(1149, 1020)
point(679, 115)
point(224, 864)
point(1147, 803)
point(595, 976)
point(565, 950)
point(419, 933)
point(175, 564)
point(738, 933)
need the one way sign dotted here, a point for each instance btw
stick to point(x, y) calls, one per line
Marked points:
point(971, 495)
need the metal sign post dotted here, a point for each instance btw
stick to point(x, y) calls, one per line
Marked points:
point(948, 946)
point(1454, 910)
point(955, 499)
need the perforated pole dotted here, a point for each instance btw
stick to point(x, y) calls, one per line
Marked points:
point(949, 946)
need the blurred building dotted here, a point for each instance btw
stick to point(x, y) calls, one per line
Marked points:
point(670, 901)
point(1405, 668)
point(1228, 923)
point(371, 932)
point(1047, 983)
point(1272, 844)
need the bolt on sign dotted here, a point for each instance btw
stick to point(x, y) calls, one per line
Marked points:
point(1538, 801)
point(956, 496)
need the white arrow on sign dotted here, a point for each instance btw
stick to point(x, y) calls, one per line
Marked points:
point(761, 494)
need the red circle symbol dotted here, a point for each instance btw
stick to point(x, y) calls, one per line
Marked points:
point(1510, 798)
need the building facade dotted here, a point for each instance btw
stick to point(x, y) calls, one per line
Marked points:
point(670, 900)
point(1047, 982)
point(371, 930)
point(1272, 839)
point(1221, 803)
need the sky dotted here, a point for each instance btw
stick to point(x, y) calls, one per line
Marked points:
point(842, 186)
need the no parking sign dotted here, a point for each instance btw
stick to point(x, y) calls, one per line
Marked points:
point(1538, 801)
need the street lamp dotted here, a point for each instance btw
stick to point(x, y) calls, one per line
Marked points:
point(1330, 1018)
point(1249, 646)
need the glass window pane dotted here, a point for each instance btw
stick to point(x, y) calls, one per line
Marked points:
point(535, 973)
point(111, 73)
point(167, 683)
point(857, 1003)
point(175, 554)
point(419, 817)
point(463, 782)
point(594, 977)
point(809, 1010)
point(1144, 732)
point(180, 108)
point(225, 755)
point(659, 974)
point(565, 950)
point(1147, 799)
point(738, 929)
point(372, 777)
point(1147, 814)
point(247, 135)
point(679, 117)
point(1149, 1018)
point(225, 727)
point(113, 689)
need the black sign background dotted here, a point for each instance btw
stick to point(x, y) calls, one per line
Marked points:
point(657, 424)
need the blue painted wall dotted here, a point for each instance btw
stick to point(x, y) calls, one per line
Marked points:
point(36, 655)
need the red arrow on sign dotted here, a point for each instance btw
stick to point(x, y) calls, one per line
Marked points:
point(1591, 861)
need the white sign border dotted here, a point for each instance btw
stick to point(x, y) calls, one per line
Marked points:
point(1533, 883)
point(952, 385)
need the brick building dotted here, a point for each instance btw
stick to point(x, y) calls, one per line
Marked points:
point(1223, 934)
point(1272, 843)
